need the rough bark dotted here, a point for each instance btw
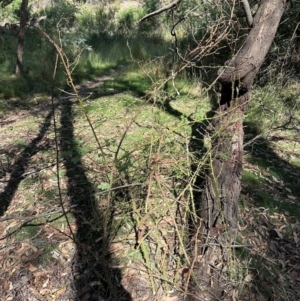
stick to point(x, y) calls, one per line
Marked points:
point(21, 36)
point(219, 200)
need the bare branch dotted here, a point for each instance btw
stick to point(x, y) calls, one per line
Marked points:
point(159, 11)
point(35, 21)
point(248, 12)
point(252, 140)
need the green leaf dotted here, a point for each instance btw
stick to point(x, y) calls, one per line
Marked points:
point(103, 186)
point(75, 160)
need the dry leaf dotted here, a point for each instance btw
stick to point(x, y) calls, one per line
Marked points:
point(45, 284)
point(66, 247)
point(166, 298)
point(278, 233)
point(60, 292)
point(33, 248)
point(31, 267)
point(249, 278)
point(24, 248)
point(45, 291)
point(38, 274)
point(4, 284)
point(56, 255)
point(32, 257)
point(242, 228)
point(296, 238)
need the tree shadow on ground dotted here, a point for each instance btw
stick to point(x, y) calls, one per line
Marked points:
point(112, 87)
point(271, 194)
point(263, 154)
point(22, 163)
point(94, 276)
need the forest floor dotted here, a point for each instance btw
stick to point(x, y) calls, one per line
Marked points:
point(47, 251)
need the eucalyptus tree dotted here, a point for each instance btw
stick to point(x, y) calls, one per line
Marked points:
point(24, 22)
point(21, 36)
point(21, 31)
point(218, 202)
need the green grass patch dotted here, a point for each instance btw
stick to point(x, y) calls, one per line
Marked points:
point(27, 232)
point(251, 179)
point(295, 161)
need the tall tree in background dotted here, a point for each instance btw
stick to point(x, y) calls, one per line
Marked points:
point(218, 203)
point(21, 36)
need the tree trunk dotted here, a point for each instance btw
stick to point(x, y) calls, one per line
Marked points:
point(219, 201)
point(21, 36)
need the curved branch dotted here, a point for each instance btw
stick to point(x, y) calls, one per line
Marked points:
point(159, 11)
point(36, 21)
point(248, 12)
point(247, 62)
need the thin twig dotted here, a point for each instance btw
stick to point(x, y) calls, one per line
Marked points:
point(57, 150)
point(252, 140)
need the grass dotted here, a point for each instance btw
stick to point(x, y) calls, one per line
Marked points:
point(143, 184)
point(129, 201)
